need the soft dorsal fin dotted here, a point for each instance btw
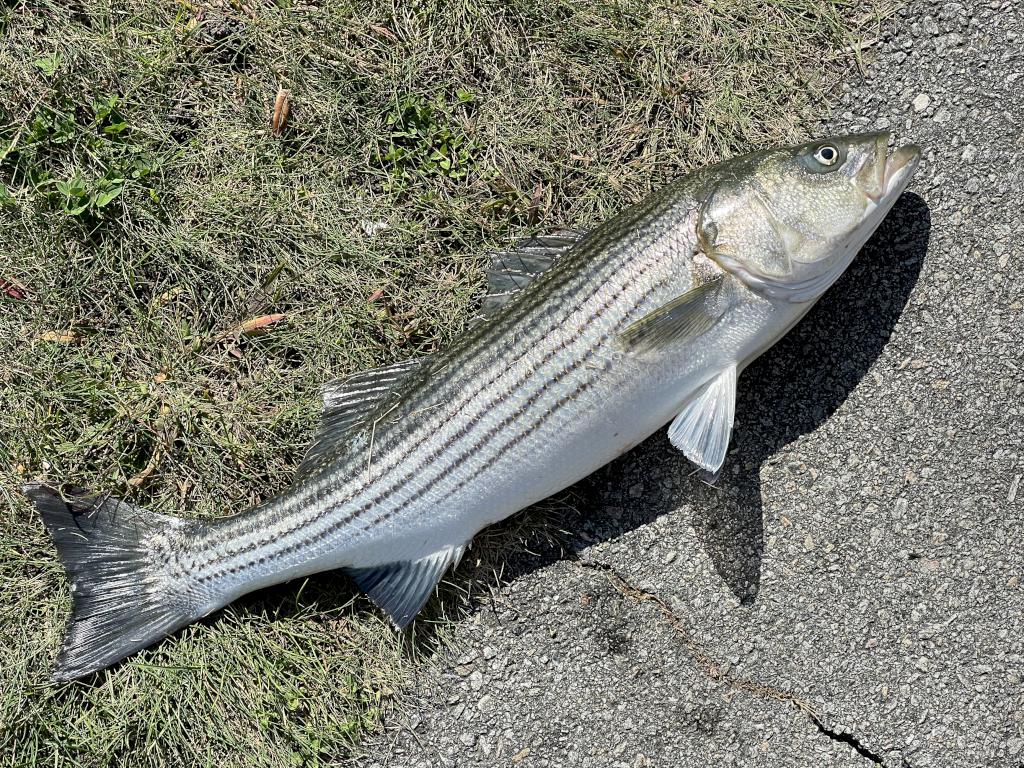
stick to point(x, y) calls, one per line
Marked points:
point(513, 270)
point(400, 589)
point(349, 402)
point(685, 317)
point(703, 428)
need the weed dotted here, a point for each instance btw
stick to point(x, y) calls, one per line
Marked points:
point(420, 140)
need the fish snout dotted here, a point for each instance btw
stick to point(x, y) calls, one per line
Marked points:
point(883, 173)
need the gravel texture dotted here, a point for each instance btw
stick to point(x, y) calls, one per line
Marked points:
point(850, 592)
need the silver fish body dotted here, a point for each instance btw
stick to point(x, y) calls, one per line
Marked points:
point(531, 401)
point(648, 317)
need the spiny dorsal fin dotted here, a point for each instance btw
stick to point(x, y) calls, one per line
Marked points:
point(685, 317)
point(513, 270)
point(703, 428)
point(401, 589)
point(349, 402)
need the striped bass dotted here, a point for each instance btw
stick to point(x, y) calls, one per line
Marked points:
point(586, 345)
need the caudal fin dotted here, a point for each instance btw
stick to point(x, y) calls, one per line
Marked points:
point(120, 561)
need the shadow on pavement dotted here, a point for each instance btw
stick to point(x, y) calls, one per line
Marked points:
point(791, 390)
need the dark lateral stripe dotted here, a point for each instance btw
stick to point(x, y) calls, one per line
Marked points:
point(509, 444)
point(401, 446)
point(518, 437)
point(583, 287)
point(499, 397)
point(447, 470)
point(583, 279)
point(288, 548)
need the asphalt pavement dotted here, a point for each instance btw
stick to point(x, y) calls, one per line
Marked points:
point(850, 591)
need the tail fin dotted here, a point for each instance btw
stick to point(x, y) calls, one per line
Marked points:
point(119, 560)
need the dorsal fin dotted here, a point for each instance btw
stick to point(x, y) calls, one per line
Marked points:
point(349, 402)
point(400, 589)
point(511, 271)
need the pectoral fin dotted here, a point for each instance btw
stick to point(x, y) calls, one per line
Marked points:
point(685, 317)
point(703, 428)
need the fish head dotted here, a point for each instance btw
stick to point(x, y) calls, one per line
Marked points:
point(789, 221)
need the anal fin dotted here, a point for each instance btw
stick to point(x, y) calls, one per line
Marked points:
point(401, 589)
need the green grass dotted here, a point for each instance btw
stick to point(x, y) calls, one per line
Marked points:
point(147, 212)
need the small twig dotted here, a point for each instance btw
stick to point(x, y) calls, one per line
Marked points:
point(373, 434)
point(282, 105)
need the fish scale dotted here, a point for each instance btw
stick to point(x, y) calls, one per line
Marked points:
point(606, 285)
point(584, 347)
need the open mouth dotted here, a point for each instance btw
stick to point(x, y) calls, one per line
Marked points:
point(900, 166)
point(889, 174)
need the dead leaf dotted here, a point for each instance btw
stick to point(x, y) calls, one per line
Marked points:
point(13, 288)
point(167, 296)
point(375, 295)
point(533, 212)
point(59, 337)
point(385, 32)
point(282, 105)
point(257, 326)
point(151, 465)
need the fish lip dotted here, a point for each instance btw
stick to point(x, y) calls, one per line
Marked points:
point(891, 171)
point(874, 183)
point(900, 166)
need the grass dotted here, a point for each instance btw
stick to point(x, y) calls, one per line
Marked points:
point(177, 279)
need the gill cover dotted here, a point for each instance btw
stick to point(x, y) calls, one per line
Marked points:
point(787, 222)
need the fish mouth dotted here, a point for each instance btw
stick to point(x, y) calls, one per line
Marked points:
point(900, 166)
point(889, 174)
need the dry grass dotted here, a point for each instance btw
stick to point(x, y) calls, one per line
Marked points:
point(148, 210)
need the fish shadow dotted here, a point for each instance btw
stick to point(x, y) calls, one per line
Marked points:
point(789, 391)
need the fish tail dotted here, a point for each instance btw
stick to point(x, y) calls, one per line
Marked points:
point(126, 584)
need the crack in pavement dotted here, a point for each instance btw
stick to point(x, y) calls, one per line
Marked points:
point(847, 738)
point(720, 673)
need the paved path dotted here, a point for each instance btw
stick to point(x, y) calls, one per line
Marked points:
point(851, 594)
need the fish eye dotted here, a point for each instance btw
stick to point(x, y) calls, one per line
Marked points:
point(827, 154)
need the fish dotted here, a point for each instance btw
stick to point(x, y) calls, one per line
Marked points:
point(585, 345)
